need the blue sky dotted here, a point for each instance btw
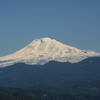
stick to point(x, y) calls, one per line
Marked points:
point(73, 22)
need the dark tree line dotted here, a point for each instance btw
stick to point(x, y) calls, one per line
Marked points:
point(15, 96)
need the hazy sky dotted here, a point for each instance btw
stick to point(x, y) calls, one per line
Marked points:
point(73, 22)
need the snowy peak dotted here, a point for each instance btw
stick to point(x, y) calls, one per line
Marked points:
point(48, 44)
point(41, 51)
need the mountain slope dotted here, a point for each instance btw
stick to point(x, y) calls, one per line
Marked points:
point(43, 50)
point(54, 74)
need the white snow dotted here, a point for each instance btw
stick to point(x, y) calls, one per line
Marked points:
point(41, 51)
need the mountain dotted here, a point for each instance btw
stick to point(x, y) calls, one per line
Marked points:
point(43, 50)
point(48, 65)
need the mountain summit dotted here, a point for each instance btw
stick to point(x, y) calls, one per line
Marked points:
point(43, 50)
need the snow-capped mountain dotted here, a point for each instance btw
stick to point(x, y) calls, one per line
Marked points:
point(41, 51)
